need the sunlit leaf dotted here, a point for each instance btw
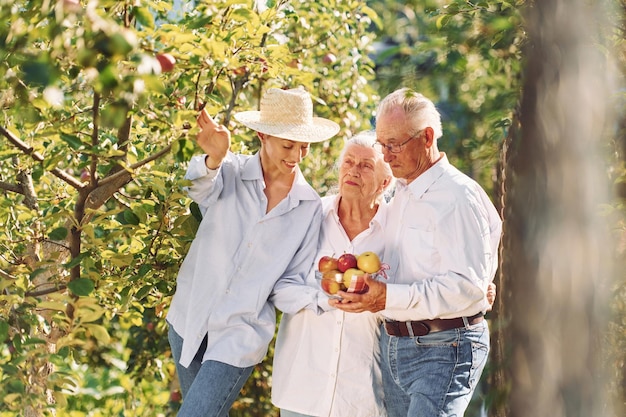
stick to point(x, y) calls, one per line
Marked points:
point(99, 332)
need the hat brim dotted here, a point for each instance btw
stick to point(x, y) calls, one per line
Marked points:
point(319, 130)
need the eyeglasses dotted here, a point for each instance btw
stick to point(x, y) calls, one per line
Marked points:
point(395, 147)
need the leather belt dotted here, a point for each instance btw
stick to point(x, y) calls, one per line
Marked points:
point(423, 327)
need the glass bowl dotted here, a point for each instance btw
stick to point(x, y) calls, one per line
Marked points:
point(334, 281)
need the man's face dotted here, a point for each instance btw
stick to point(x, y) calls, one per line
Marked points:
point(392, 128)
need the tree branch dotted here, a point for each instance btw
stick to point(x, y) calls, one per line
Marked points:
point(47, 291)
point(134, 166)
point(29, 150)
point(11, 187)
point(6, 275)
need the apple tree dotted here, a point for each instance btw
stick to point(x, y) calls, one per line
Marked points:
point(99, 100)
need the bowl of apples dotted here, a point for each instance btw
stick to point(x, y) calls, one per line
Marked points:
point(347, 272)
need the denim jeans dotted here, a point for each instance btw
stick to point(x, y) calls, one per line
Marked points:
point(433, 375)
point(208, 388)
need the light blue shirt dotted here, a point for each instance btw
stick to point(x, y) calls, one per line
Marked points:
point(243, 262)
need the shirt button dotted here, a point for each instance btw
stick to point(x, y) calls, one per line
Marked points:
point(227, 290)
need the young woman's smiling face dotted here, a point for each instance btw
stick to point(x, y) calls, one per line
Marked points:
point(284, 154)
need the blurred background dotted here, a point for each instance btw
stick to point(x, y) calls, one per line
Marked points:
point(99, 100)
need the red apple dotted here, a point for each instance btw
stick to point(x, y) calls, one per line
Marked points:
point(167, 62)
point(368, 262)
point(329, 59)
point(175, 396)
point(85, 175)
point(326, 263)
point(241, 71)
point(332, 281)
point(346, 261)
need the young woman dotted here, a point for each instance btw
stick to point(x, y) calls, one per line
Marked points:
point(255, 245)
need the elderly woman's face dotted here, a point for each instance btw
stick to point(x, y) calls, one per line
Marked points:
point(360, 174)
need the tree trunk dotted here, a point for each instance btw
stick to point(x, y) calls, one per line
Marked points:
point(556, 265)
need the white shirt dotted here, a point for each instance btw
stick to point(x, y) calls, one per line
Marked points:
point(328, 365)
point(240, 258)
point(441, 243)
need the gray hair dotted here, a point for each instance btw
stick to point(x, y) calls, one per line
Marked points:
point(417, 108)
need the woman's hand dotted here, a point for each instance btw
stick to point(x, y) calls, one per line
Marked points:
point(213, 139)
point(491, 295)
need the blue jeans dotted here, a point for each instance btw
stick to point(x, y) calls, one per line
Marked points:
point(208, 388)
point(433, 375)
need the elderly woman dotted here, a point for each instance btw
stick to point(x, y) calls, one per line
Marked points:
point(327, 365)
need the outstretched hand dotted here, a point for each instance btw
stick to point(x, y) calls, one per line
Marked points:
point(213, 139)
point(373, 300)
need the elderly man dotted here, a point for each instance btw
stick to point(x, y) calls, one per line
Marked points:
point(441, 245)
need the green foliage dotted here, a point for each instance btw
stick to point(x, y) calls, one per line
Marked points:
point(467, 57)
point(96, 137)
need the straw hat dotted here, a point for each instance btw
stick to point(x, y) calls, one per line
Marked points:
point(288, 114)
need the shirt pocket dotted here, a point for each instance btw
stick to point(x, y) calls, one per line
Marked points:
point(419, 246)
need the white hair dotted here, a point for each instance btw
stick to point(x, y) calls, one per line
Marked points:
point(419, 109)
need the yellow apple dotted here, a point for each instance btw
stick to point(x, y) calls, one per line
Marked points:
point(352, 272)
point(368, 262)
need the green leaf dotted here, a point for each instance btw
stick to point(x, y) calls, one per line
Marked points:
point(4, 331)
point(99, 333)
point(60, 233)
point(38, 73)
point(195, 210)
point(143, 291)
point(144, 269)
point(144, 17)
point(81, 286)
point(130, 217)
point(75, 261)
point(71, 140)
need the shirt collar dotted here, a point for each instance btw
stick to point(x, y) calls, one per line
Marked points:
point(422, 183)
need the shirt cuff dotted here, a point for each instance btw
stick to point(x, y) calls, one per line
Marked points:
point(398, 297)
point(198, 169)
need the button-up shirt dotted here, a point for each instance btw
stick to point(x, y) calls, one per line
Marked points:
point(328, 365)
point(441, 243)
point(243, 262)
